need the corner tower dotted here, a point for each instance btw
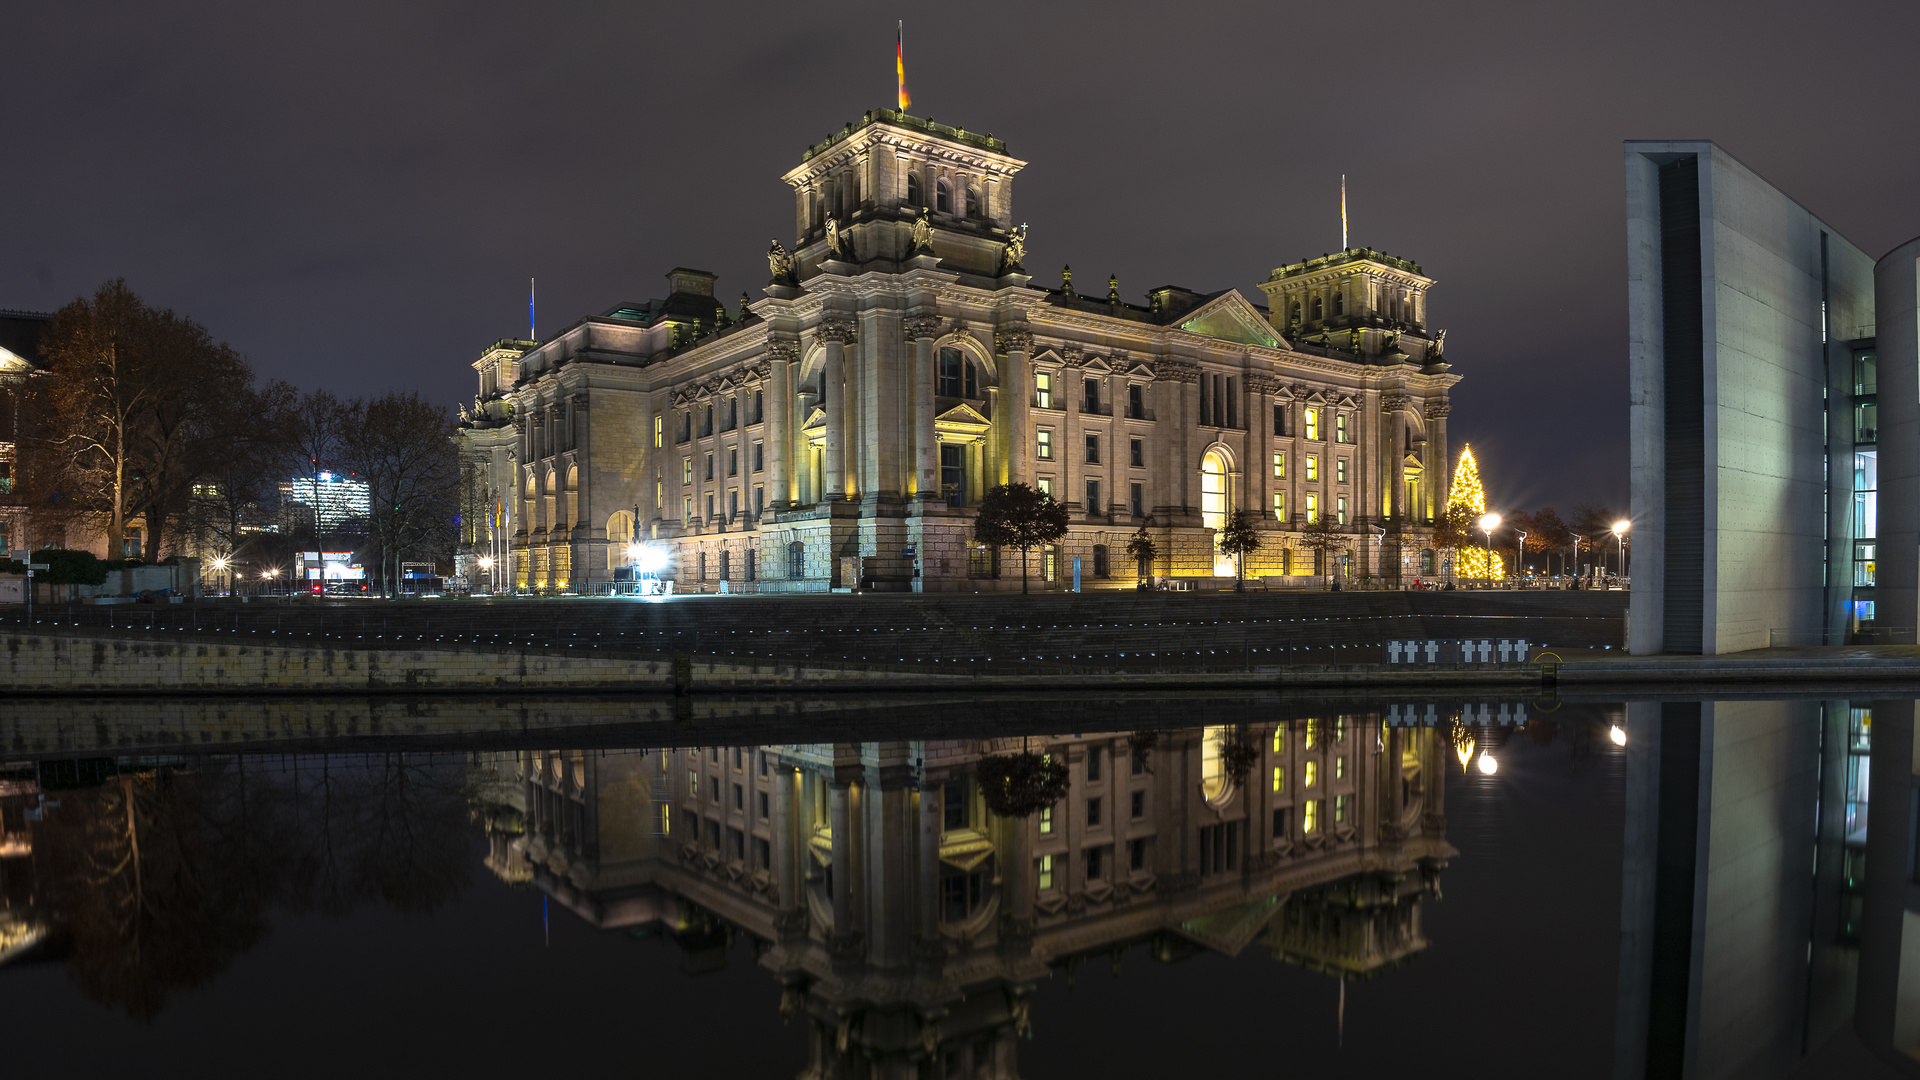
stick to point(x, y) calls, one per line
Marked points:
point(874, 177)
point(1361, 301)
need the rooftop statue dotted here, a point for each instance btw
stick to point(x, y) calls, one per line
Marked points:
point(1439, 345)
point(1017, 248)
point(835, 250)
point(922, 234)
point(780, 264)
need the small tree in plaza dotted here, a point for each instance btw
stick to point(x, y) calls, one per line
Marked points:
point(1452, 530)
point(1143, 549)
point(1323, 536)
point(1019, 517)
point(1239, 539)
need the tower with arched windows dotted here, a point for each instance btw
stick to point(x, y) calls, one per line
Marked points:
point(838, 428)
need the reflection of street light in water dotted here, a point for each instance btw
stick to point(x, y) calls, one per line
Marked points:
point(1488, 765)
point(1618, 734)
point(1465, 751)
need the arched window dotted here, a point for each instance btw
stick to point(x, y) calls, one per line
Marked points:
point(1215, 785)
point(941, 202)
point(1213, 491)
point(1339, 304)
point(973, 203)
point(913, 193)
point(796, 560)
point(1316, 309)
point(1295, 313)
point(619, 539)
point(957, 376)
point(1426, 562)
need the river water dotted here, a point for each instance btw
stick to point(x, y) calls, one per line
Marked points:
point(1579, 888)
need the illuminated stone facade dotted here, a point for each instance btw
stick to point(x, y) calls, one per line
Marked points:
point(899, 365)
point(909, 926)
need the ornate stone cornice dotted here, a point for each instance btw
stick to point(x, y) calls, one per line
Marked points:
point(1013, 339)
point(1071, 356)
point(1263, 384)
point(1438, 410)
point(922, 326)
point(782, 350)
point(1393, 403)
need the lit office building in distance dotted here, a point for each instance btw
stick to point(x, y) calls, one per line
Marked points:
point(840, 430)
point(335, 501)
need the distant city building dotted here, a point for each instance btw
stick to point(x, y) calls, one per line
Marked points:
point(1758, 363)
point(841, 430)
point(334, 500)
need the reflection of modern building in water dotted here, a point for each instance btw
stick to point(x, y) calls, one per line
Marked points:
point(909, 925)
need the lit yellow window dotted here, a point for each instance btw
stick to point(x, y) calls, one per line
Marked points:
point(1313, 429)
point(1043, 390)
point(1313, 733)
point(1046, 819)
point(1340, 767)
point(1339, 808)
point(1279, 778)
point(1340, 470)
point(1312, 774)
point(1280, 506)
point(1340, 729)
point(1340, 428)
point(1313, 508)
point(1310, 816)
point(666, 819)
point(659, 493)
point(1280, 465)
point(1279, 738)
point(1313, 466)
point(1045, 439)
point(656, 432)
point(686, 470)
point(1046, 871)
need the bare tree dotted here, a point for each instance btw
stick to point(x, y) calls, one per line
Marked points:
point(1324, 537)
point(403, 448)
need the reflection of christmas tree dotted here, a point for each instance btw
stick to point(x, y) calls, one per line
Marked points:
point(1466, 492)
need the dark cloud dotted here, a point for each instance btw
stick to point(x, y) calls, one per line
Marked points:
point(355, 195)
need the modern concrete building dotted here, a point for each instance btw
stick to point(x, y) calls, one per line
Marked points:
point(1743, 307)
point(841, 429)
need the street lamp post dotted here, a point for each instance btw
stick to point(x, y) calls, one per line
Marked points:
point(1620, 533)
point(1520, 555)
point(1488, 523)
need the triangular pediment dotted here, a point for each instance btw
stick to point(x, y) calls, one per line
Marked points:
point(1229, 317)
point(962, 415)
point(1232, 929)
point(816, 418)
point(13, 363)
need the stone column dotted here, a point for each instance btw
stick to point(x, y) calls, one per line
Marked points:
point(1016, 401)
point(1438, 466)
point(1260, 391)
point(584, 515)
point(926, 449)
point(781, 353)
point(1394, 409)
point(843, 883)
point(929, 899)
point(789, 846)
point(1073, 464)
point(833, 337)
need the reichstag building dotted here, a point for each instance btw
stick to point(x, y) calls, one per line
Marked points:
point(839, 431)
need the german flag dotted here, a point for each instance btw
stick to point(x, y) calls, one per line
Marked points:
point(900, 65)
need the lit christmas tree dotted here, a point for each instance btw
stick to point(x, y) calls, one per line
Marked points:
point(1466, 492)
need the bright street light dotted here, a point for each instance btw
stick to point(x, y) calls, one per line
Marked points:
point(1618, 735)
point(486, 563)
point(1488, 523)
point(652, 559)
point(1620, 533)
point(1488, 765)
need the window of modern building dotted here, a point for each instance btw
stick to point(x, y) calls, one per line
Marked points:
point(1093, 449)
point(1136, 404)
point(1044, 444)
point(1093, 497)
point(1136, 501)
point(1313, 467)
point(1311, 418)
point(1043, 389)
point(1093, 812)
point(1866, 494)
point(1137, 448)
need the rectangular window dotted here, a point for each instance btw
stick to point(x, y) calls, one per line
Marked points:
point(1139, 762)
point(693, 783)
point(1279, 778)
point(1280, 506)
point(1280, 739)
point(1096, 865)
point(1093, 496)
point(759, 501)
point(1046, 820)
point(1340, 428)
point(733, 503)
point(762, 854)
point(657, 423)
point(709, 466)
point(1093, 763)
point(1339, 729)
point(1340, 767)
point(1313, 467)
point(1046, 872)
point(1043, 389)
point(1138, 450)
point(1219, 847)
point(759, 458)
point(1280, 823)
point(709, 507)
point(1279, 464)
point(1339, 809)
point(713, 835)
point(1136, 501)
point(686, 470)
point(1340, 471)
point(1279, 420)
point(1093, 812)
point(1137, 854)
point(1093, 449)
point(1139, 805)
point(1313, 734)
point(733, 462)
point(739, 798)
point(1045, 484)
point(1312, 776)
point(1310, 816)
point(1044, 442)
point(686, 509)
point(953, 805)
point(1312, 417)
point(951, 365)
point(1136, 407)
point(1092, 402)
point(1340, 510)
point(666, 820)
point(1313, 508)
point(764, 808)
point(659, 496)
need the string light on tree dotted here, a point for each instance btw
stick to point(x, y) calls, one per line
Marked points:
point(1466, 492)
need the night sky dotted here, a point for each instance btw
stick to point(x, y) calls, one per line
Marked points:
point(355, 194)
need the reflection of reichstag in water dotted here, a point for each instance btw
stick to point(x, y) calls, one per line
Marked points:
point(909, 924)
